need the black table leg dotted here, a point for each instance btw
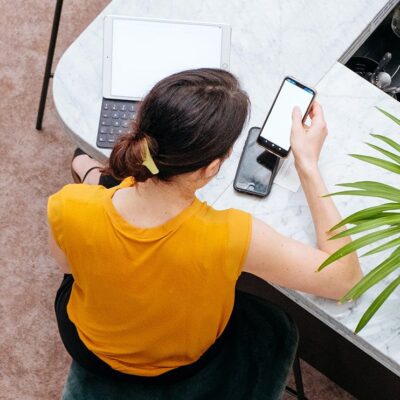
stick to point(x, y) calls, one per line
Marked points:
point(49, 63)
point(298, 379)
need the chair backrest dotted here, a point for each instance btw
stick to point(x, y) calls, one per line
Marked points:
point(253, 363)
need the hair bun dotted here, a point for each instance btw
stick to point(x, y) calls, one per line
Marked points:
point(136, 134)
point(127, 156)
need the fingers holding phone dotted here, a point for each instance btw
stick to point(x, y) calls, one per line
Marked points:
point(307, 141)
point(276, 130)
point(281, 128)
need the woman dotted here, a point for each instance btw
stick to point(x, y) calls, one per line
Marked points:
point(153, 268)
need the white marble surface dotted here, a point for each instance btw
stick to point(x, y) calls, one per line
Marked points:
point(270, 38)
point(349, 104)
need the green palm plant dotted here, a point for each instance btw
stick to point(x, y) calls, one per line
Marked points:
point(378, 222)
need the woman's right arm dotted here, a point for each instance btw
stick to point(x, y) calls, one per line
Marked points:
point(287, 262)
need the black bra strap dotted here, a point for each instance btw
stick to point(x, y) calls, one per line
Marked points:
point(87, 173)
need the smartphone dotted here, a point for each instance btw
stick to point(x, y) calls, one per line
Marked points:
point(275, 132)
point(257, 167)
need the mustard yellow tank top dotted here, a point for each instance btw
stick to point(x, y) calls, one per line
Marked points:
point(146, 301)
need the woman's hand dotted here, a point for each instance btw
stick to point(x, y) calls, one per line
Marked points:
point(307, 141)
point(286, 262)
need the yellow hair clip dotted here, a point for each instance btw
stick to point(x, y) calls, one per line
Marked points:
point(148, 161)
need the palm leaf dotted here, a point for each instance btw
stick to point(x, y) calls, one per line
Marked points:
point(379, 162)
point(384, 246)
point(374, 193)
point(376, 304)
point(358, 244)
point(361, 221)
point(377, 274)
point(371, 218)
point(388, 141)
point(392, 117)
point(371, 185)
point(365, 226)
point(389, 154)
point(366, 214)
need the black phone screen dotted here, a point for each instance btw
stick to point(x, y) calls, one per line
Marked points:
point(256, 167)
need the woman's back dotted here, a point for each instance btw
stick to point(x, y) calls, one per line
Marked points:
point(154, 269)
point(148, 300)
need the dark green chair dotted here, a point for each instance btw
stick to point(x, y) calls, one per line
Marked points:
point(253, 364)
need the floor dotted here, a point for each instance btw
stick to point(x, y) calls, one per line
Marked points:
point(33, 363)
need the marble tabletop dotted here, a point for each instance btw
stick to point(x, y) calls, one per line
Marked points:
point(349, 105)
point(270, 39)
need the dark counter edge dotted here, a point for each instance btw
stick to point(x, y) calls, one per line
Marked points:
point(328, 351)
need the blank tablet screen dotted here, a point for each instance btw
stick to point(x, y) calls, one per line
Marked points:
point(143, 52)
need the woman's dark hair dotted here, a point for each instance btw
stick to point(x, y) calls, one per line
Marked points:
point(189, 119)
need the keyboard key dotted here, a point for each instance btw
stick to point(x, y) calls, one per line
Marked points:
point(116, 117)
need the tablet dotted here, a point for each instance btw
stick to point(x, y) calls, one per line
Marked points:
point(138, 52)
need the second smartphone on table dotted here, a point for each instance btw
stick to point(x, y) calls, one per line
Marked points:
point(257, 167)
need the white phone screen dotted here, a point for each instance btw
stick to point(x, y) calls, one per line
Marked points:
point(279, 122)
